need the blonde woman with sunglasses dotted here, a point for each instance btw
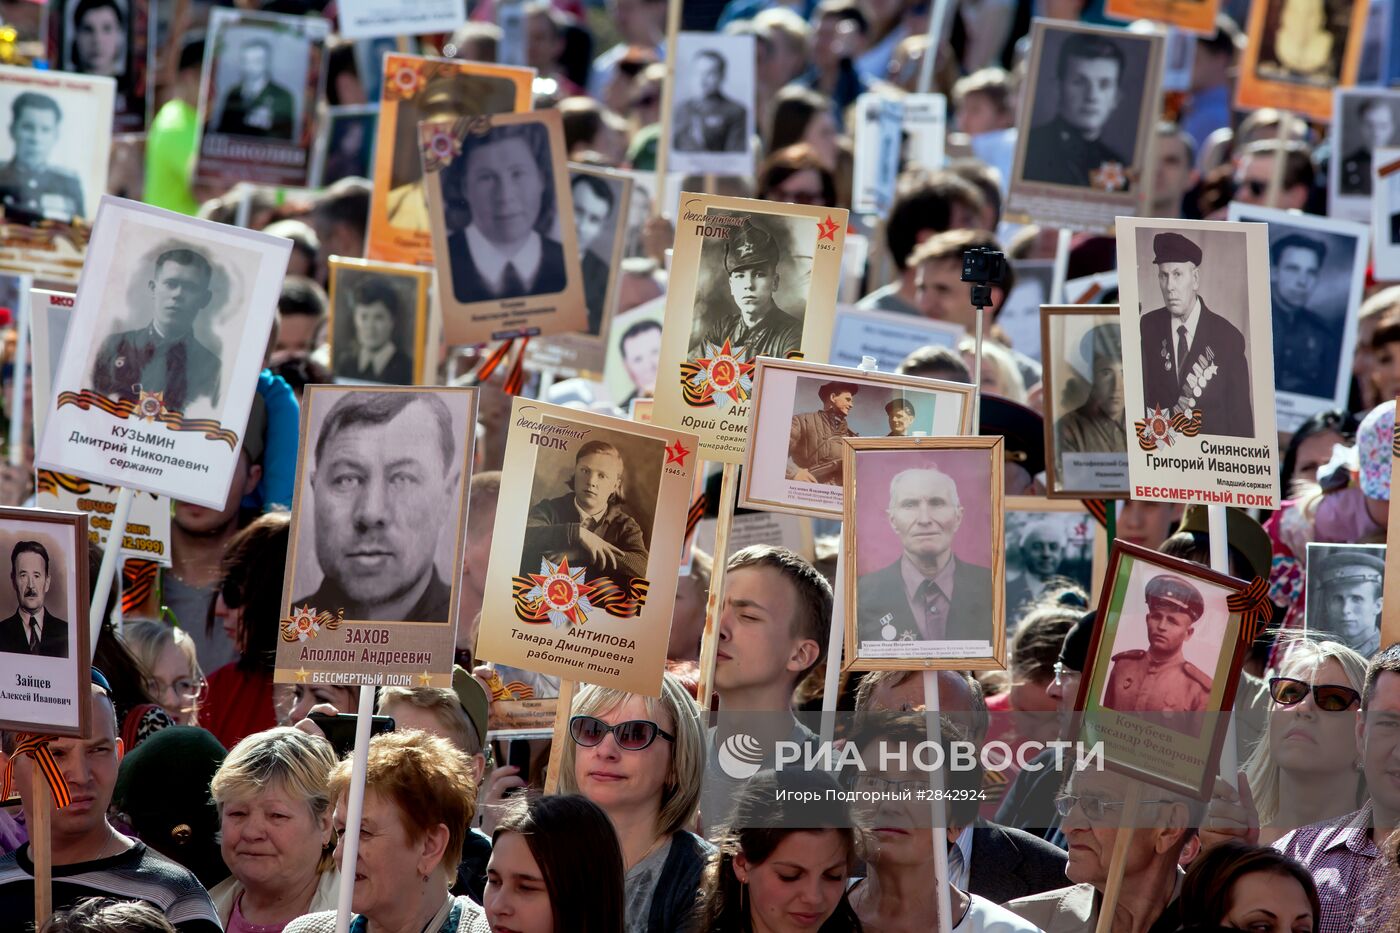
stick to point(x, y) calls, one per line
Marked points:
point(1306, 768)
point(640, 760)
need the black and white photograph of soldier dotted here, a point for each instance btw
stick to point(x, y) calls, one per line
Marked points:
point(815, 450)
point(502, 214)
point(1194, 355)
point(349, 143)
point(36, 627)
point(1082, 124)
point(165, 348)
point(1044, 549)
point(712, 120)
point(1344, 594)
point(380, 503)
point(594, 505)
point(597, 213)
point(376, 322)
point(1096, 425)
point(35, 185)
point(752, 286)
point(1366, 120)
point(259, 77)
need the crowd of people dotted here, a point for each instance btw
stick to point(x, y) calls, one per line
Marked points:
point(207, 798)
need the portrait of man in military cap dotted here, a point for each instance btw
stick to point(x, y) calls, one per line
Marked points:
point(709, 121)
point(1097, 425)
point(1087, 86)
point(164, 355)
point(32, 187)
point(814, 443)
point(1344, 594)
point(1159, 680)
point(900, 413)
point(1193, 359)
point(748, 317)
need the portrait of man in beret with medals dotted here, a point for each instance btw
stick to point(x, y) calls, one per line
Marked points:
point(1193, 360)
point(1160, 679)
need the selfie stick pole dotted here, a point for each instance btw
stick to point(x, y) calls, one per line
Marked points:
point(111, 554)
point(668, 97)
point(938, 807)
point(563, 710)
point(1220, 563)
point(1120, 858)
point(21, 366)
point(709, 642)
point(935, 38)
point(354, 810)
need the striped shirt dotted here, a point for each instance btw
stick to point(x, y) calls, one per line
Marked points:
point(138, 874)
point(1340, 854)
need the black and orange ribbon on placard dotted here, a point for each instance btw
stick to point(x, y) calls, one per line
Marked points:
point(37, 747)
point(138, 580)
point(697, 512)
point(515, 379)
point(211, 429)
point(623, 601)
point(1254, 606)
point(1160, 428)
point(51, 482)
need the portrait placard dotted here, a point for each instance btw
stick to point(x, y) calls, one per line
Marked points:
point(641, 413)
point(257, 115)
point(748, 279)
point(1093, 289)
point(1085, 425)
point(370, 19)
point(1364, 120)
point(749, 528)
point(502, 216)
point(1317, 275)
point(924, 563)
point(169, 330)
point(55, 142)
point(1345, 590)
point(378, 320)
point(45, 658)
point(1049, 543)
point(147, 534)
point(1099, 141)
point(634, 353)
point(583, 569)
point(1385, 214)
point(378, 525)
point(879, 120)
point(1196, 16)
point(1298, 52)
point(888, 336)
point(803, 412)
point(1019, 315)
point(114, 39)
point(345, 144)
point(416, 89)
point(1163, 666)
point(712, 121)
point(1198, 378)
point(925, 128)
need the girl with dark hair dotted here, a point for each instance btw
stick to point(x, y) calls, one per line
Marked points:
point(796, 175)
point(1237, 886)
point(768, 875)
point(802, 115)
point(543, 878)
point(1311, 447)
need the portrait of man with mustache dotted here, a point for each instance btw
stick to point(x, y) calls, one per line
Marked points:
point(32, 629)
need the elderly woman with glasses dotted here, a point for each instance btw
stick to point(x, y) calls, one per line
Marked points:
point(418, 805)
point(640, 760)
point(275, 830)
point(167, 658)
point(1306, 768)
point(1092, 809)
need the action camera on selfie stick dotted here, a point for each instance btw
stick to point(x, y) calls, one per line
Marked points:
point(982, 267)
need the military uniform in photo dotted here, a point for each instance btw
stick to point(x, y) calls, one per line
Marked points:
point(1197, 363)
point(270, 113)
point(1355, 623)
point(712, 123)
point(814, 442)
point(48, 193)
point(1356, 173)
point(1306, 352)
point(1168, 689)
point(136, 361)
point(1088, 428)
point(774, 332)
point(552, 531)
point(1058, 153)
point(595, 274)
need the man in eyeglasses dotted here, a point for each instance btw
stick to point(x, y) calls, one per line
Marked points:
point(1160, 680)
point(1069, 148)
point(1192, 358)
point(1346, 603)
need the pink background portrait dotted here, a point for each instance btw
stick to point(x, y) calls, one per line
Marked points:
point(877, 545)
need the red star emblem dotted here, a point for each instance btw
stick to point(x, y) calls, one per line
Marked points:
point(727, 373)
point(676, 454)
point(826, 230)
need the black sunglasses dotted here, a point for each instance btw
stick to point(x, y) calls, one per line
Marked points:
point(1334, 698)
point(632, 735)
